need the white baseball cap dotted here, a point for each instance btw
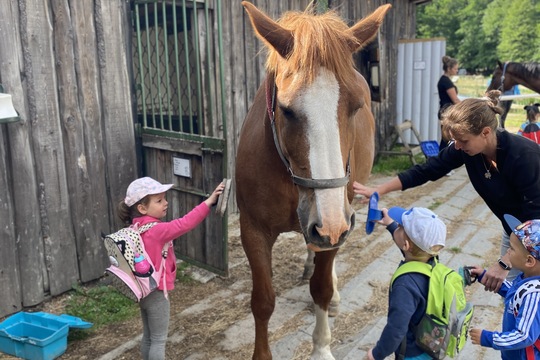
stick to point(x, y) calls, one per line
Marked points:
point(139, 188)
point(422, 226)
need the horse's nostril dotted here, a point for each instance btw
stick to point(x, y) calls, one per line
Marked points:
point(314, 230)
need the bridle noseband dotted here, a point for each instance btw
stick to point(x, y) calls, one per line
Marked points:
point(298, 180)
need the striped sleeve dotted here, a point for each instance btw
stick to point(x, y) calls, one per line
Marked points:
point(527, 326)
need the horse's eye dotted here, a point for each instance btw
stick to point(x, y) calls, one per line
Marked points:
point(288, 112)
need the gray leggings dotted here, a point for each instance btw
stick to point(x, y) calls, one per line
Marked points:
point(155, 312)
point(505, 244)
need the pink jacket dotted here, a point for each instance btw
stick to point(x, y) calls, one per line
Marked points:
point(163, 232)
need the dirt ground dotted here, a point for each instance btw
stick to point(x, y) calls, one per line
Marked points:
point(204, 330)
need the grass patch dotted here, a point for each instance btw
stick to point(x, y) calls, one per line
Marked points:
point(181, 275)
point(476, 85)
point(100, 305)
point(455, 249)
point(392, 164)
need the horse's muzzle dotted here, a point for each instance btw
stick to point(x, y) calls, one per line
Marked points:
point(321, 239)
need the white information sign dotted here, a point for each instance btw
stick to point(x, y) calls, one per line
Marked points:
point(181, 167)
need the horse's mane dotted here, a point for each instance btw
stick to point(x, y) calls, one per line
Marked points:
point(526, 70)
point(319, 40)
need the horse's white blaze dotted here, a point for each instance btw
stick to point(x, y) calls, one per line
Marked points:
point(319, 103)
point(321, 336)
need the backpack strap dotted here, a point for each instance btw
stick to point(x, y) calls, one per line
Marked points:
point(164, 253)
point(529, 350)
point(413, 266)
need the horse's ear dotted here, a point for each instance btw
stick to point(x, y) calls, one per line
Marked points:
point(366, 29)
point(500, 64)
point(269, 31)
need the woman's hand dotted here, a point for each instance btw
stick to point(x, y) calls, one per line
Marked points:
point(360, 189)
point(494, 277)
point(213, 198)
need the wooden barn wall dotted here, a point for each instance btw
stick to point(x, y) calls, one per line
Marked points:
point(65, 165)
point(67, 162)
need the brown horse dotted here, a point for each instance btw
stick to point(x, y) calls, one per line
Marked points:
point(512, 73)
point(307, 136)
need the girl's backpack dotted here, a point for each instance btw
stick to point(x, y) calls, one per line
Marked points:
point(132, 271)
point(532, 132)
point(443, 329)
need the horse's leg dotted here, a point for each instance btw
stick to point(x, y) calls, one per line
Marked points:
point(506, 105)
point(258, 250)
point(322, 290)
point(333, 309)
point(309, 265)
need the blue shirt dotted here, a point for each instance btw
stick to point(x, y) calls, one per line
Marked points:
point(521, 321)
point(406, 305)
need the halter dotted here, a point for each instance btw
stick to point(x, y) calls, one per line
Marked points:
point(298, 180)
point(501, 88)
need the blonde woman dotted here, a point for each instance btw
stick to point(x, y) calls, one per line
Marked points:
point(504, 169)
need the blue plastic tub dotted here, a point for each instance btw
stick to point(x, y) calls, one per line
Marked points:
point(37, 336)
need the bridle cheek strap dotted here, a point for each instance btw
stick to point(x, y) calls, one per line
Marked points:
point(271, 91)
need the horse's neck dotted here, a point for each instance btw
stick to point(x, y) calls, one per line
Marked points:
point(530, 81)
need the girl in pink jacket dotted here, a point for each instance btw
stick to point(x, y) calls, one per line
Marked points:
point(145, 203)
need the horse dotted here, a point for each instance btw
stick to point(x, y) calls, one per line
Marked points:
point(509, 74)
point(307, 135)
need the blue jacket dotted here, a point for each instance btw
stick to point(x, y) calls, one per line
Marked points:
point(521, 320)
point(407, 305)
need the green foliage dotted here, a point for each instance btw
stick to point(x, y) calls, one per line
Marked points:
point(476, 50)
point(438, 19)
point(479, 32)
point(100, 305)
point(181, 275)
point(519, 40)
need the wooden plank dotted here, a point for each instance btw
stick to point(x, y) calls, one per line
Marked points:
point(59, 253)
point(172, 144)
point(117, 114)
point(86, 188)
point(10, 296)
point(28, 250)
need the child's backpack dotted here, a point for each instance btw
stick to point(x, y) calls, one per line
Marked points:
point(443, 329)
point(132, 271)
point(532, 132)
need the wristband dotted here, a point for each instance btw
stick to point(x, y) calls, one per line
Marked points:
point(392, 227)
point(504, 265)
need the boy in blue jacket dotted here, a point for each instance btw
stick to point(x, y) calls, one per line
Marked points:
point(420, 235)
point(519, 338)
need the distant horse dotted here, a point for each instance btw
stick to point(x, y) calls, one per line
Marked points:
point(307, 136)
point(510, 74)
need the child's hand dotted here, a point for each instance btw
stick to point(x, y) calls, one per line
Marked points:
point(212, 199)
point(475, 335)
point(369, 355)
point(386, 220)
point(476, 270)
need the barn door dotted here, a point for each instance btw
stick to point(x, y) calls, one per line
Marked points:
point(181, 124)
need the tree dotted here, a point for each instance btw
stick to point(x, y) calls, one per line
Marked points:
point(476, 51)
point(479, 32)
point(519, 36)
point(438, 19)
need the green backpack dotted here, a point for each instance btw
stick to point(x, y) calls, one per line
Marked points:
point(443, 329)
